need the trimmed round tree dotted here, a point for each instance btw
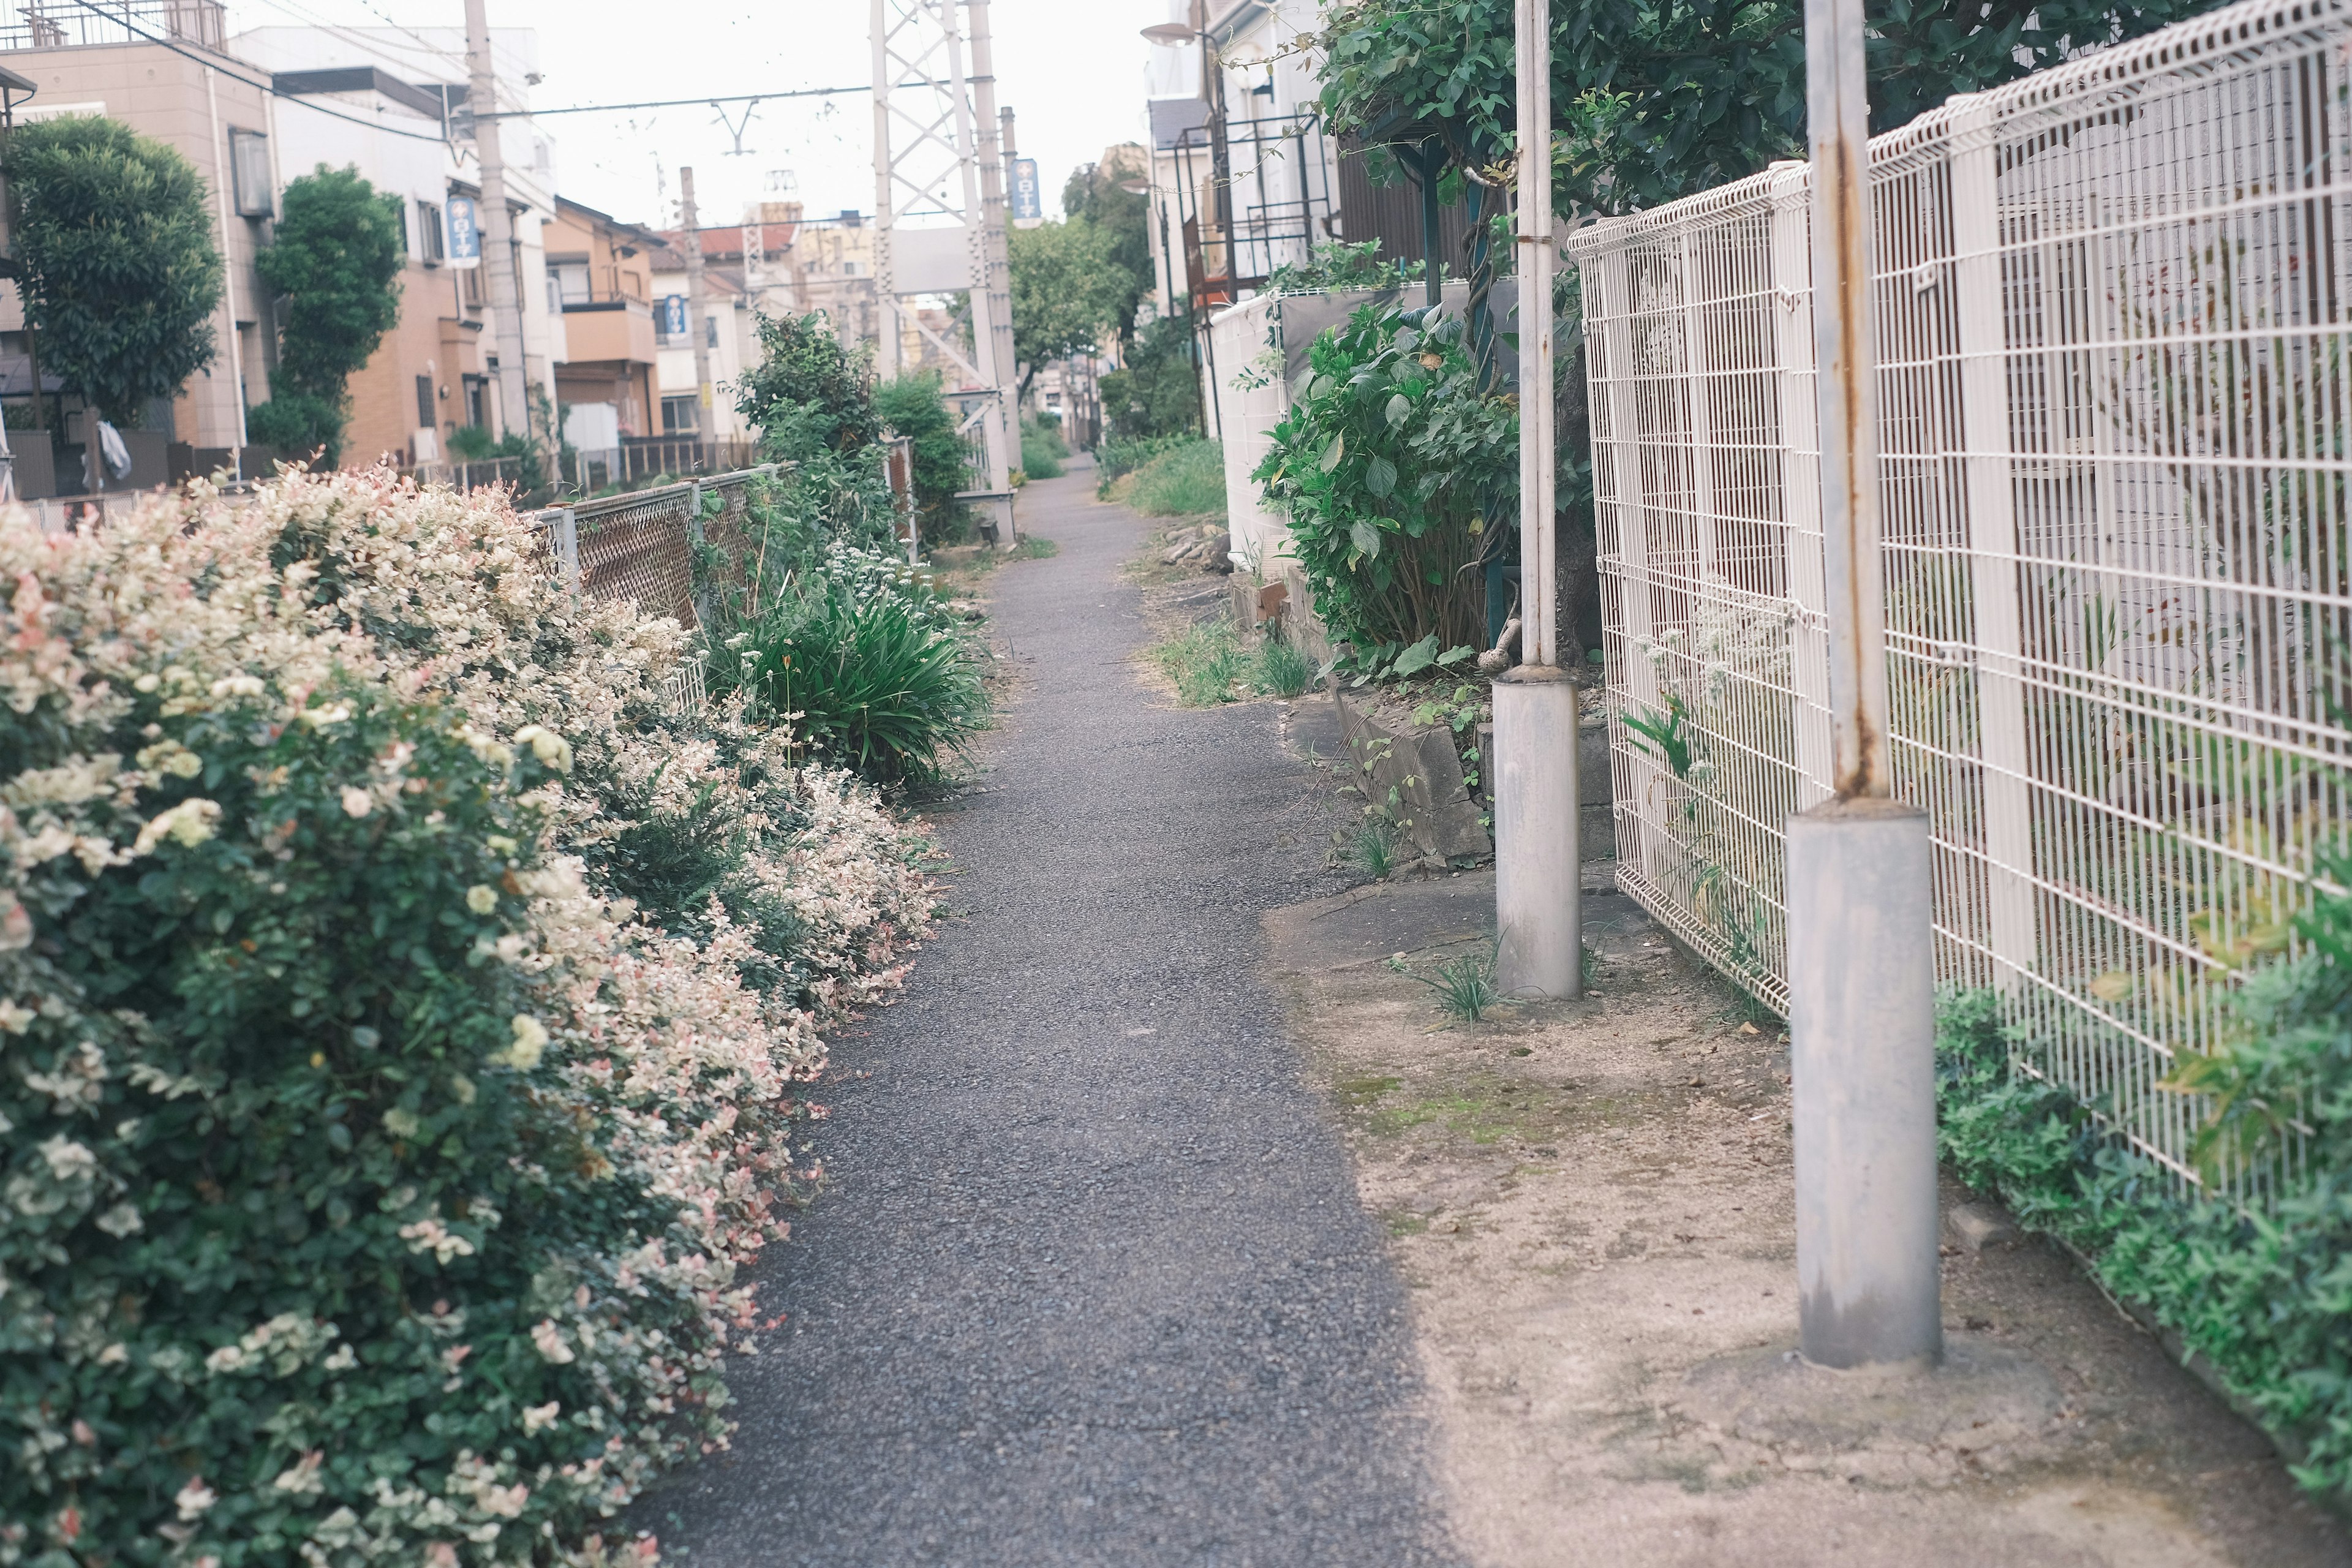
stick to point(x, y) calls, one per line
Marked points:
point(121, 276)
point(336, 264)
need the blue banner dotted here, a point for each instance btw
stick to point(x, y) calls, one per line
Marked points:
point(673, 315)
point(465, 232)
point(1028, 201)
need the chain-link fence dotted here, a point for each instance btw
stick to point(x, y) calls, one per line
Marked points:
point(2111, 311)
point(643, 547)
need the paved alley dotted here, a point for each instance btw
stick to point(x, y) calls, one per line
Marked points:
point(1090, 1284)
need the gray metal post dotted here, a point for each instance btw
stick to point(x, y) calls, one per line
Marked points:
point(1861, 890)
point(1538, 913)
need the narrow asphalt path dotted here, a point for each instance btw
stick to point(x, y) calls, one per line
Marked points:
point(1090, 1284)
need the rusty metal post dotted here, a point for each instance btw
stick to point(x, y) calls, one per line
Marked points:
point(1860, 937)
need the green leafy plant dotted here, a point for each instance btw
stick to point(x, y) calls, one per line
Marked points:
point(1067, 292)
point(2260, 1290)
point(868, 667)
point(335, 262)
point(1388, 466)
point(121, 276)
point(1339, 265)
point(1668, 734)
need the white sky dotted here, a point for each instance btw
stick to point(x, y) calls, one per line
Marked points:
point(1072, 72)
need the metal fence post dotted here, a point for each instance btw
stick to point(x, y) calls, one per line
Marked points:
point(1800, 478)
point(1993, 563)
point(1861, 978)
point(567, 548)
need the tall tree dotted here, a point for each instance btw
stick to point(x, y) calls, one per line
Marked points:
point(1094, 194)
point(1651, 101)
point(121, 276)
point(1067, 292)
point(336, 263)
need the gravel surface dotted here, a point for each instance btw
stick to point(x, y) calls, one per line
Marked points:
point(1091, 1284)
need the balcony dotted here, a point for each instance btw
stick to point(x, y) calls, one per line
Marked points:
point(66, 24)
point(605, 316)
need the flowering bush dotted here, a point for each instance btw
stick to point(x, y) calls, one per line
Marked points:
point(378, 1169)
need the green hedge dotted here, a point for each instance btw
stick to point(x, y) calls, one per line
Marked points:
point(2263, 1293)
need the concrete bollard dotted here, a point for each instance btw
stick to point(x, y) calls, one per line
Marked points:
point(1861, 986)
point(1538, 896)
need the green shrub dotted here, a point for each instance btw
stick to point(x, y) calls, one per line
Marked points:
point(1388, 466)
point(1043, 448)
point(867, 667)
point(334, 261)
point(378, 1178)
point(914, 406)
point(1186, 480)
point(2265, 1294)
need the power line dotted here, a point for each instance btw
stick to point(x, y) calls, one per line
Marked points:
point(699, 103)
point(666, 102)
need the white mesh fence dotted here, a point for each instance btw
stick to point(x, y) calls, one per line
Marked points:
point(2112, 320)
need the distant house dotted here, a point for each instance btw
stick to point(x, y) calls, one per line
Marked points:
point(600, 275)
point(342, 103)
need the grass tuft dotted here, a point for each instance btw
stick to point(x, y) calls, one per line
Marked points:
point(1282, 669)
point(1463, 987)
point(1370, 848)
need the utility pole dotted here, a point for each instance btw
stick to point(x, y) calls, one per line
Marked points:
point(1539, 906)
point(497, 224)
point(1861, 970)
point(996, 269)
point(695, 308)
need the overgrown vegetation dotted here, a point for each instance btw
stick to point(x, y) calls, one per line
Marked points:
point(1208, 663)
point(2261, 1293)
point(1185, 479)
point(404, 1007)
point(335, 261)
point(1462, 986)
point(120, 277)
point(1340, 265)
point(1387, 466)
point(472, 444)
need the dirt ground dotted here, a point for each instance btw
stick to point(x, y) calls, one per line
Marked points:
point(1592, 1205)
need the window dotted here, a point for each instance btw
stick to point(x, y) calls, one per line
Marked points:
point(469, 287)
point(710, 331)
point(681, 415)
point(474, 385)
point(554, 294)
point(571, 282)
point(248, 171)
point(424, 403)
point(430, 248)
